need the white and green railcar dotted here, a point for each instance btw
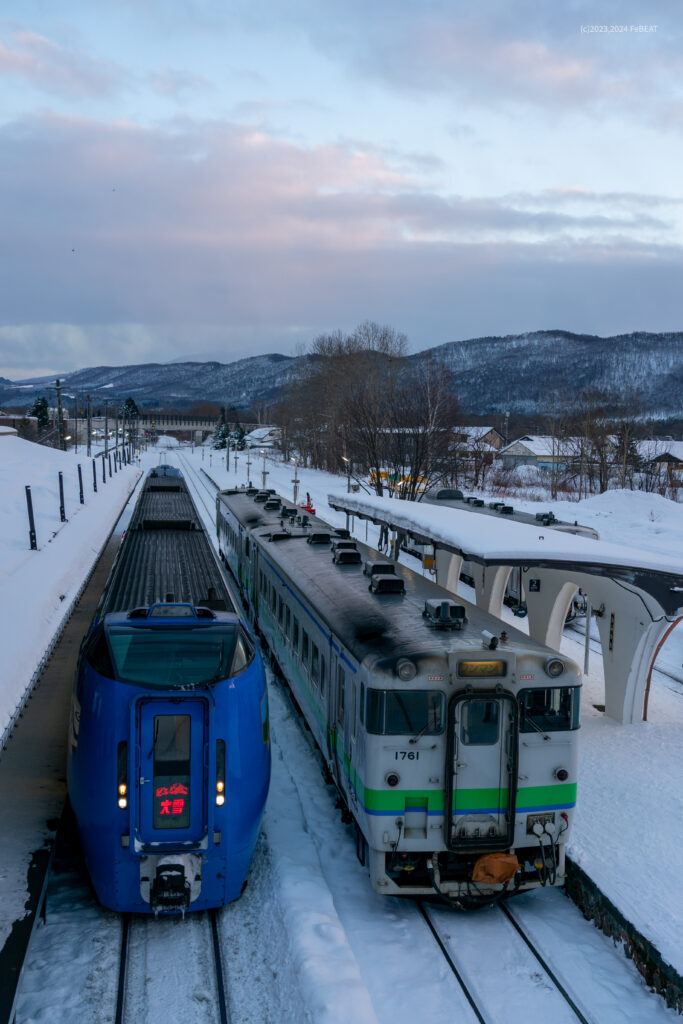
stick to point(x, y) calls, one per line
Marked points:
point(452, 741)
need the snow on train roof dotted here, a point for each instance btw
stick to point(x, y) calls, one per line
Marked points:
point(501, 542)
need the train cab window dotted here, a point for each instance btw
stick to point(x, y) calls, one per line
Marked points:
point(304, 647)
point(551, 709)
point(295, 633)
point(405, 713)
point(178, 657)
point(244, 654)
point(98, 656)
point(480, 722)
point(362, 703)
point(315, 664)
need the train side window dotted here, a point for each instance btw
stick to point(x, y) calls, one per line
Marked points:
point(315, 664)
point(244, 654)
point(295, 633)
point(551, 709)
point(246, 546)
point(341, 683)
point(375, 712)
point(352, 708)
point(280, 611)
point(287, 621)
point(362, 703)
point(480, 722)
point(304, 647)
point(322, 675)
point(273, 597)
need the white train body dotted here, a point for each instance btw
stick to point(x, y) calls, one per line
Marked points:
point(453, 744)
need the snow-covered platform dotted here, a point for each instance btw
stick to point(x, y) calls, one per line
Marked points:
point(637, 595)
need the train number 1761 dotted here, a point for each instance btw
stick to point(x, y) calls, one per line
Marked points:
point(406, 755)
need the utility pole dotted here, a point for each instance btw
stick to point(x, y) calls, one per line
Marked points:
point(116, 442)
point(264, 472)
point(295, 481)
point(60, 417)
point(88, 425)
point(76, 421)
point(106, 427)
point(249, 466)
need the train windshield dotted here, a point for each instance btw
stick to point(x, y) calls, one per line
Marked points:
point(405, 712)
point(551, 709)
point(169, 658)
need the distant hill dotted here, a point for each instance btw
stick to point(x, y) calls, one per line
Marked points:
point(520, 373)
point(525, 373)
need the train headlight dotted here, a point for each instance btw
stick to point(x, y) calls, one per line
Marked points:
point(392, 779)
point(406, 669)
point(220, 773)
point(562, 774)
point(554, 667)
point(122, 774)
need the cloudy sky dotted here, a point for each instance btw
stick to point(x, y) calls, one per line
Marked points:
point(220, 178)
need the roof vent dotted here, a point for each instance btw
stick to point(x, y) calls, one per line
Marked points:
point(385, 568)
point(317, 538)
point(283, 535)
point(389, 584)
point(338, 545)
point(339, 531)
point(272, 504)
point(346, 556)
point(444, 614)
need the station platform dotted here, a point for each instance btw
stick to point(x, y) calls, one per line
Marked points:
point(33, 784)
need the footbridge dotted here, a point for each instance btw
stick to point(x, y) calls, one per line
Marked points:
point(637, 595)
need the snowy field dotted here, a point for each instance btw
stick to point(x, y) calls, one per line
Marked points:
point(310, 941)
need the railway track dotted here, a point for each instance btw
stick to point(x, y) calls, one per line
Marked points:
point(165, 963)
point(511, 976)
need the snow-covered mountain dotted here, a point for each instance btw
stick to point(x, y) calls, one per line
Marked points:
point(529, 373)
point(523, 373)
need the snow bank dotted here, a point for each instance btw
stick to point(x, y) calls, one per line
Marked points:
point(39, 588)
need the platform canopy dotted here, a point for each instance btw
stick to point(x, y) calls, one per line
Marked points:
point(637, 595)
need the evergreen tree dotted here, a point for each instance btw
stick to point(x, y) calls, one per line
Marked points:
point(130, 409)
point(40, 411)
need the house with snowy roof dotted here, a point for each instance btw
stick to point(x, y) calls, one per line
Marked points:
point(481, 436)
point(263, 437)
point(540, 450)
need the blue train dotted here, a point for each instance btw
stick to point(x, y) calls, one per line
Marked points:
point(169, 751)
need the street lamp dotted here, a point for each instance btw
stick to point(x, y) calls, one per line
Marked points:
point(295, 481)
point(348, 483)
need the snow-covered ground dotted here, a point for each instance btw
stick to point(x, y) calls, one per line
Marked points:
point(310, 941)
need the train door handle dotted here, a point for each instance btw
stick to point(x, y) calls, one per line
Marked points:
point(143, 780)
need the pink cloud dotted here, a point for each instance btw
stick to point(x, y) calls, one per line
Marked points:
point(52, 68)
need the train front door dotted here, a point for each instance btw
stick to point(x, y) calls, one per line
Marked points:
point(481, 775)
point(171, 768)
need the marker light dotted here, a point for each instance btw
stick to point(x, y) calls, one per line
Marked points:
point(406, 669)
point(220, 799)
point(554, 667)
point(123, 803)
point(123, 789)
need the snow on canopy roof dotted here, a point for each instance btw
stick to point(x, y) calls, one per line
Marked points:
point(490, 541)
